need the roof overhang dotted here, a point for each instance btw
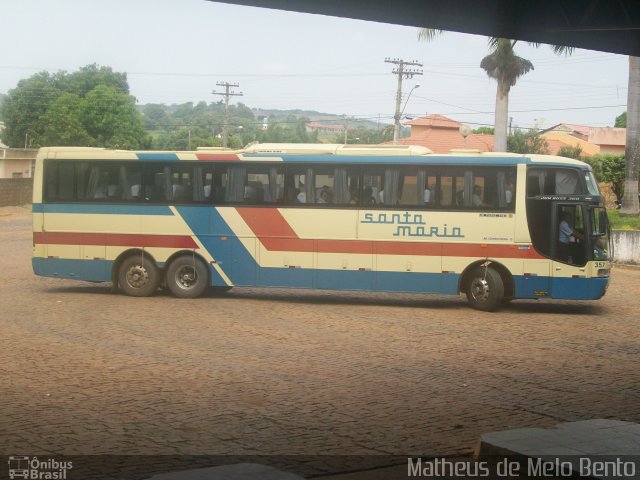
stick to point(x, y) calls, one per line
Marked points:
point(605, 25)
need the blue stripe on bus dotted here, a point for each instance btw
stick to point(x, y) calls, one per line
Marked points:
point(395, 160)
point(162, 157)
point(579, 288)
point(90, 270)
point(247, 273)
point(101, 209)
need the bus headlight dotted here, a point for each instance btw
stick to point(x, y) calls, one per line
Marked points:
point(603, 272)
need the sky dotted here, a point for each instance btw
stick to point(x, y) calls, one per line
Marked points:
point(175, 51)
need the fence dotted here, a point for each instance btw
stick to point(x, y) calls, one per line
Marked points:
point(15, 191)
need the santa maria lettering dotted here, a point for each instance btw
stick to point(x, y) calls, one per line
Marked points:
point(411, 225)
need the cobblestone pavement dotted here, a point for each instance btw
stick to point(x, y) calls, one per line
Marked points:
point(256, 371)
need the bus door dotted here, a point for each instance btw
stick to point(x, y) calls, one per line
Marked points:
point(569, 242)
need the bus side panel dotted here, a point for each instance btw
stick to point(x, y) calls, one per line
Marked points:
point(409, 273)
point(345, 271)
point(535, 280)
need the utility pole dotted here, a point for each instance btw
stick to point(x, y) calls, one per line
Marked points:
point(403, 72)
point(227, 93)
point(346, 129)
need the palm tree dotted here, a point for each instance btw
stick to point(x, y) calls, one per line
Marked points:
point(503, 65)
point(630, 203)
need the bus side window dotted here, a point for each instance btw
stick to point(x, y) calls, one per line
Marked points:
point(51, 180)
point(157, 183)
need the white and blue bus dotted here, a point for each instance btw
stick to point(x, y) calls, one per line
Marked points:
point(343, 217)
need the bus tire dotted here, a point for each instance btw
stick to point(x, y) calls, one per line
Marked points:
point(187, 277)
point(138, 276)
point(485, 289)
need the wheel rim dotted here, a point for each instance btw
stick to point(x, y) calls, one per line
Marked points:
point(480, 290)
point(186, 277)
point(137, 276)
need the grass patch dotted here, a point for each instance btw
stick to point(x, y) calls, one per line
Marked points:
point(618, 222)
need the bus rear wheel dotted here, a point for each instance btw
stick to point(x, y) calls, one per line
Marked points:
point(485, 289)
point(138, 276)
point(187, 277)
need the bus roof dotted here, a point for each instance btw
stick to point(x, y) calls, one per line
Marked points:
point(315, 153)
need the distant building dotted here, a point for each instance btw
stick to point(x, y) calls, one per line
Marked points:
point(558, 139)
point(324, 128)
point(610, 139)
point(264, 122)
point(17, 162)
point(578, 131)
point(441, 134)
point(606, 139)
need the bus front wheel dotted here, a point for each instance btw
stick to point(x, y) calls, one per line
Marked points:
point(187, 277)
point(138, 276)
point(485, 289)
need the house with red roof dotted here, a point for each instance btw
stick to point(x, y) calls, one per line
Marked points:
point(441, 134)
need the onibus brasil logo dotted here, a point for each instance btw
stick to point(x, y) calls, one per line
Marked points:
point(36, 469)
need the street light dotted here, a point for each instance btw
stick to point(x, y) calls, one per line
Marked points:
point(398, 115)
point(465, 131)
point(417, 85)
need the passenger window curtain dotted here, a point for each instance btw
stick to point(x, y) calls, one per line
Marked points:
point(81, 180)
point(468, 187)
point(124, 182)
point(542, 176)
point(198, 184)
point(92, 186)
point(340, 186)
point(391, 186)
point(273, 185)
point(166, 184)
point(421, 182)
point(502, 199)
point(309, 186)
point(566, 182)
point(235, 184)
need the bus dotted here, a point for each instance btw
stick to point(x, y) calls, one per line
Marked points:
point(383, 218)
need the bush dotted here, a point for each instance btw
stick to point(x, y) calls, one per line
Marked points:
point(609, 167)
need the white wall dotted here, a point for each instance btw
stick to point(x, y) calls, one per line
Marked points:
point(627, 246)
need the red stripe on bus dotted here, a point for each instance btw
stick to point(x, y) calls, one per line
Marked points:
point(217, 156)
point(275, 233)
point(114, 239)
point(267, 222)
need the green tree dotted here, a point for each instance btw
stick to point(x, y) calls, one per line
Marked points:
point(89, 77)
point(610, 168)
point(504, 66)
point(154, 116)
point(570, 152)
point(24, 108)
point(182, 139)
point(621, 120)
point(527, 142)
point(111, 118)
point(484, 130)
point(89, 107)
point(61, 124)
point(2, 100)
